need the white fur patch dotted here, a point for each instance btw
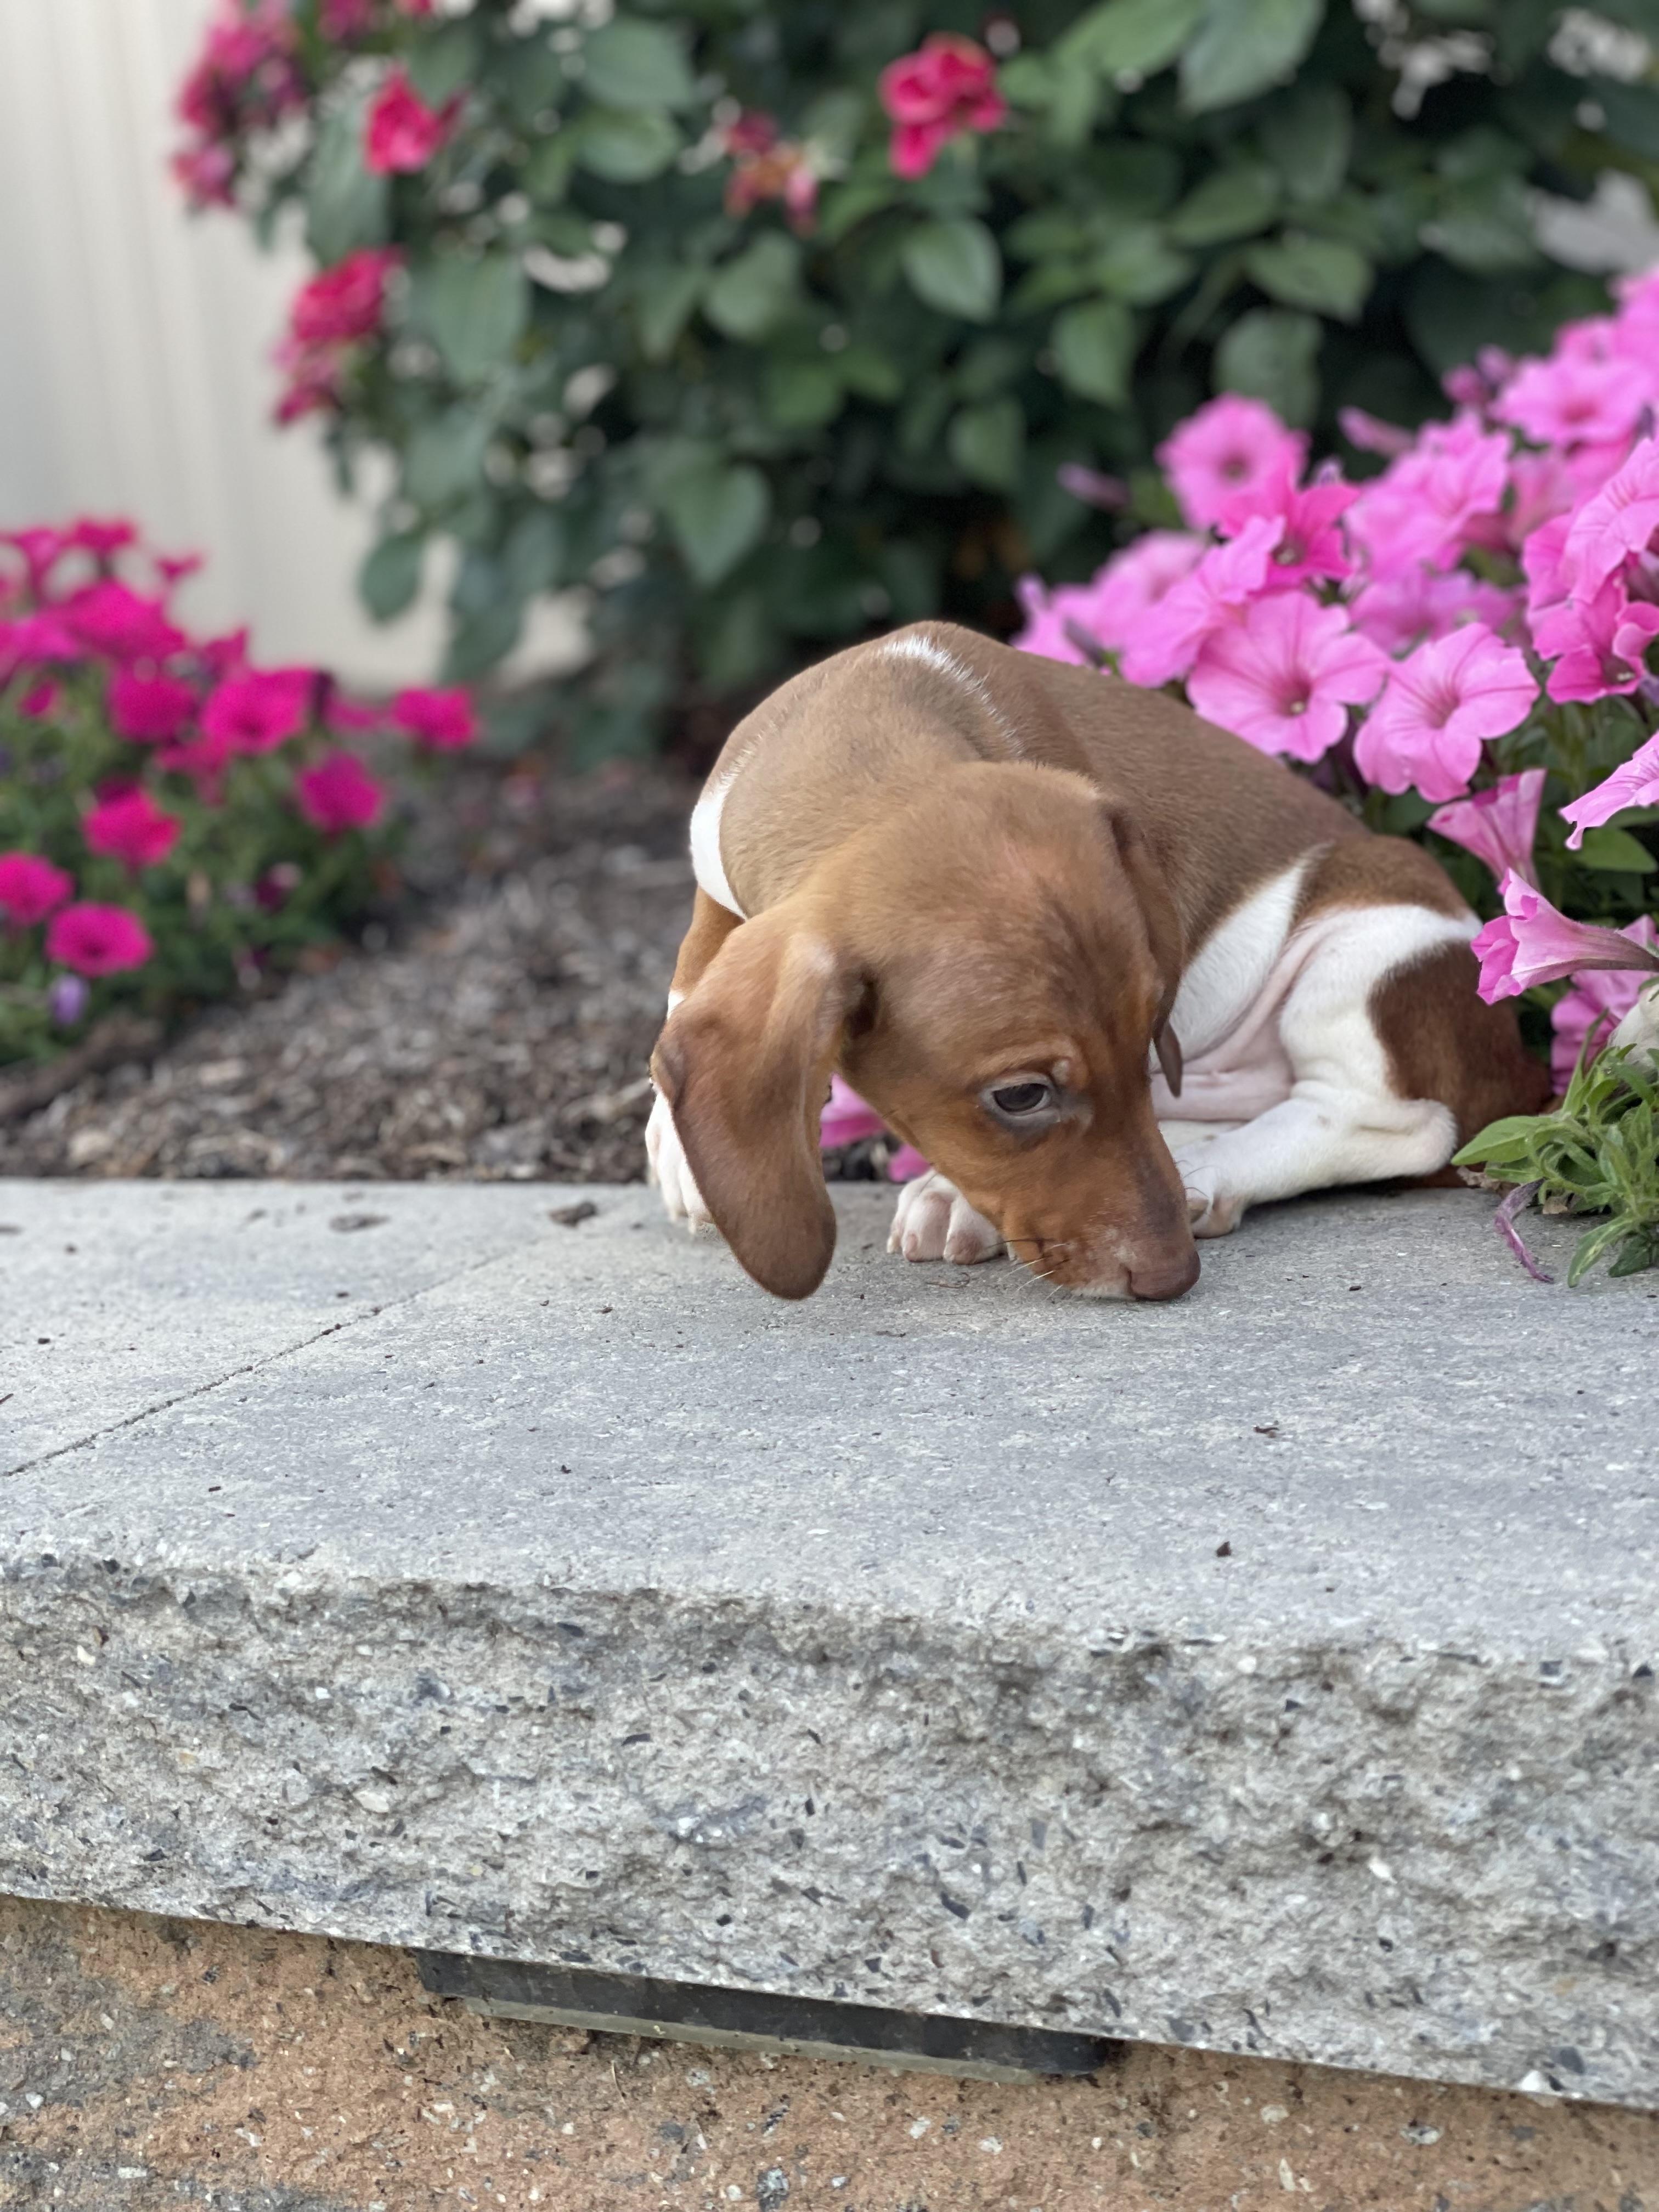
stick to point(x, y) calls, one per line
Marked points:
point(671, 1170)
point(1230, 969)
point(944, 663)
point(934, 1221)
point(707, 863)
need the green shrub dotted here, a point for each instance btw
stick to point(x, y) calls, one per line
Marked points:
point(757, 431)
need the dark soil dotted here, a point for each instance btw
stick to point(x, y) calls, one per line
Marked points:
point(498, 1026)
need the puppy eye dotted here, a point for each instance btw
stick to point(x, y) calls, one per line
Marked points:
point(1017, 1099)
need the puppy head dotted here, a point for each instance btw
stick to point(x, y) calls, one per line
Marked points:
point(990, 966)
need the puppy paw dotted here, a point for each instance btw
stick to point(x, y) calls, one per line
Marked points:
point(669, 1169)
point(1212, 1210)
point(934, 1221)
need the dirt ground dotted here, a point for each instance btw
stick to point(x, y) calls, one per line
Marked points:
point(497, 1026)
point(147, 2063)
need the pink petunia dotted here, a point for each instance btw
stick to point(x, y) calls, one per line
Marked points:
point(346, 302)
point(1422, 507)
point(1285, 674)
point(149, 709)
point(1109, 609)
point(1311, 545)
point(1619, 521)
point(1597, 1002)
point(1441, 702)
point(1228, 448)
point(442, 721)
point(102, 540)
point(98, 940)
point(948, 87)
point(401, 132)
point(30, 888)
point(259, 710)
point(1400, 610)
point(34, 640)
point(1533, 942)
point(845, 1119)
point(1165, 643)
point(114, 621)
point(1571, 400)
point(1498, 826)
point(339, 793)
point(1598, 645)
point(133, 829)
point(1370, 434)
point(1635, 784)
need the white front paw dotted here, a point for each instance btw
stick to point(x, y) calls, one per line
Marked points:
point(671, 1170)
point(934, 1221)
point(1212, 1210)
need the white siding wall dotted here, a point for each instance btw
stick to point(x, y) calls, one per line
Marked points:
point(135, 345)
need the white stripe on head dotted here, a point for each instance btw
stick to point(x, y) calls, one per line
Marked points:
point(707, 864)
point(944, 663)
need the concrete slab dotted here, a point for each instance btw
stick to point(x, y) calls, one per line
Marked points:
point(1273, 1672)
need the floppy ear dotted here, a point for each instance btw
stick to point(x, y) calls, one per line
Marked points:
point(1163, 932)
point(744, 1062)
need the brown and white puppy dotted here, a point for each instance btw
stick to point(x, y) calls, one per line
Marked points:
point(1007, 899)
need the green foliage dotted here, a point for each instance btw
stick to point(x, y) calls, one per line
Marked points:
point(1597, 1152)
point(808, 434)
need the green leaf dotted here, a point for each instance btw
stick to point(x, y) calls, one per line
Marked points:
point(444, 63)
point(474, 311)
point(1243, 46)
point(988, 443)
point(803, 395)
point(1272, 355)
point(1094, 346)
point(1323, 274)
point(1506, 1138)
point(955, 267)
point(624, 146)
point(1234, 202)
point(1308, 135)
point(664, 302)
point(445, 460)
point(630, 64)
point(1129, 37)
point(869, 373)
point(478, 642)
point(717, 514)
point(1138, 266)
point(749, 296)
point(390, 577)
point(1616, 851)
point(535, 554)
point(1632, 112)
point(346, 208)
point(1485, 228)
point(1640, 1250)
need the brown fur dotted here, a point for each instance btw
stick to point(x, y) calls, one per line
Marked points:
point(1443, 1041)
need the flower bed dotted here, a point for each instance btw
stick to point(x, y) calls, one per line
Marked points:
point(1459, 646)
point(175, 821)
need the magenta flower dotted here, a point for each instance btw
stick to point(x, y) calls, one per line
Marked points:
point(402, 133)
point(98, 940)
point(345, 19)
point(149, 709)
point(442, 721)
point(1370, 434)
point(30, 888)
point(1498, 826)
point(846, 1118)
point(1165, 643)
point(115, 622)
point(131, 828)
point(1532, 942)
point(1601, 642)
point(41, 549)
point(1423, 506)
point(765, 167)
point(1619, 521)
point(1442, 702)
point(259, 710)
point(1311, 545)
point(1574, 399)
point(934, 95)
point(339, 793)
point(1285, 674)
point(1598, 1001)
point(34, 640)
point(1401, 610)
point(102, 540)
point(1230, 447)
point(1109, 609)
point(1635, 784)
point(346, 302)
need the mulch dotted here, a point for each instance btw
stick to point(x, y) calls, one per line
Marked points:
point(497, 1026)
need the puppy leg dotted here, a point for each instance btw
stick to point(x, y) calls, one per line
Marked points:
point(666, 1165)
point(1349, 1118)
point(934, 1221)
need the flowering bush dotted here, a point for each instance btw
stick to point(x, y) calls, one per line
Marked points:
point(771, 324)
point(1460, 646)
point(175, 820)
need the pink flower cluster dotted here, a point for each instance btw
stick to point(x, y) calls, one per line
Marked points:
point(947, 87)
point(85, 607)
point(401, 133)
point(336, 311)
point(246, 78)
point(1502, 567)
point(765, 166)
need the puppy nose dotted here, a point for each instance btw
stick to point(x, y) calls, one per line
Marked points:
point(1165, 1278)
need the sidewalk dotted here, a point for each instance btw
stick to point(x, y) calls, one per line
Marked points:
point(1269, 1672)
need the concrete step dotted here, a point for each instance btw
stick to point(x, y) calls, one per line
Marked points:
point(1272, 1673)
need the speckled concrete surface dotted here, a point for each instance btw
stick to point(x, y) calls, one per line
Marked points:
point(148, 2063)
point(1273, 1672)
